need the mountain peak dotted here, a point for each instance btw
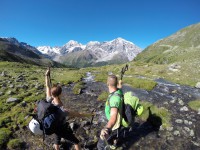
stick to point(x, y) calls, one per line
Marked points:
point(12, 40)
point(102, 51)
point(120, 39)
point(72, 43)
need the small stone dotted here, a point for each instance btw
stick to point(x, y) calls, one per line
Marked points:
point(190, 123)
point(177, 133)
point(23, 104)
point(95, 122)
point(3, 74)
point(171, 138)
point(187, 129)
point(11, 86)
point(170, 128)
point(25, 118)
point(198, 85)
point(173, 101)
point(72, 125)
point(186, 122)
point(174, 91)
point(192, 133)
point(37, 93)
point(39, 87)
point(11, 99)
point(4, 85)
point(161, 128)
point(165, 103)
point(10, 92)
point(199, 111)
point(181, 102)
point(180, 121)
point(25, 87)
point(184, 109)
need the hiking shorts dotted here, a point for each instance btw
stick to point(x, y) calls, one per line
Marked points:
point(65, 132)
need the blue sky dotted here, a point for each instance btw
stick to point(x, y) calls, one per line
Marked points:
point(55, 22)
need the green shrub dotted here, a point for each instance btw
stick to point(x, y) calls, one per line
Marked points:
point(4, 121)
point(140, 83)
point(4, 136)
point(14, 144)
point(103, 96)
point(161, 112)
point(101, 77)
point(77, 88)
point(195, 105)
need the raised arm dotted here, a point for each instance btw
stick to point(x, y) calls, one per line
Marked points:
point(119, 86)
point(48, 87)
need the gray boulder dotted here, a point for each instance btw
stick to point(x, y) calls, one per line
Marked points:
point(198, 85)
point(12, 100)
point(10, 93)
point(3, 74)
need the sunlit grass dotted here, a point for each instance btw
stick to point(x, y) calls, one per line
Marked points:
point(103, 96)
point(34, 76)
point(195, 105)
point(161, 112)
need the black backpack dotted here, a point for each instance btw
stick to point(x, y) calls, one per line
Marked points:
point(49, 116)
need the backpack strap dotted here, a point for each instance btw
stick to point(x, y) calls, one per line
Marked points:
point(115, 94)
point(123, 105)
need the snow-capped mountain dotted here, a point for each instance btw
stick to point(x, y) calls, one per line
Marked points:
point(100, 51)
point(56, 52)
point(72, 46)
point(108, 49)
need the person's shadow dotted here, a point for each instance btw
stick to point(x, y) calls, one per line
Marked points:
point(138, 131)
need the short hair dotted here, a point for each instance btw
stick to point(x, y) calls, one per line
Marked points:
point(112, 80)
point(56, 90)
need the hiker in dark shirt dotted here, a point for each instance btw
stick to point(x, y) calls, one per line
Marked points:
point(53, 95)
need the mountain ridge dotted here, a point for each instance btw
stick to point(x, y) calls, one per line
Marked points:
point(101, 52)
point(13, 50)
point(181, 46)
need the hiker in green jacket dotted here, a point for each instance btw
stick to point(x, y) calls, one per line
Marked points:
point(113, 111)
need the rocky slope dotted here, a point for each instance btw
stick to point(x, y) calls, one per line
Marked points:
point(13, 50)
point(183, 46)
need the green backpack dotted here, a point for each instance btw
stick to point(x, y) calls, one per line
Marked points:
point(131, 109)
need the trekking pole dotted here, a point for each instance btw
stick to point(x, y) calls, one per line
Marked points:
point(50, 76)
point(85, 144)
point(124, 69)
point(91, 119)
point(107, 147)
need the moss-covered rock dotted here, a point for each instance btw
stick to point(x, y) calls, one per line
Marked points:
point(78, 87)
point(15, 144)
point(195, 105)
point(103, 96)
point(4, 136)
